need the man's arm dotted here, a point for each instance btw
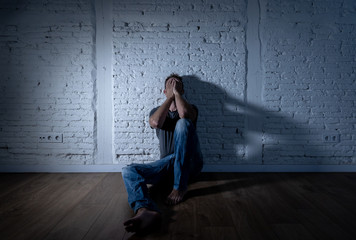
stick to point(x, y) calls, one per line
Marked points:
point(157, 118)
point(185, 110)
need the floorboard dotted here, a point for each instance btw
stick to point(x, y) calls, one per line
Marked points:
point(252, 206)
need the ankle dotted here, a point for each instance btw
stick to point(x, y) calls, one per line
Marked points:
point(179, 191)
point(141, 210)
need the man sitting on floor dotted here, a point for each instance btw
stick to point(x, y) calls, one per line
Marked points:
point(175, 124)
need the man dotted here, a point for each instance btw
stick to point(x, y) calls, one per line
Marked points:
point(175, 124)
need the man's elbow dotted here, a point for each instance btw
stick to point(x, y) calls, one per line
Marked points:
point(154, 124)
point(186, 115)
point(183, 115)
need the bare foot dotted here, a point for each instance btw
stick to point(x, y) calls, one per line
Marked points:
point(144, 221)
point(175, 197)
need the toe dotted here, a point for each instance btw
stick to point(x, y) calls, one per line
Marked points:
point(128, 222)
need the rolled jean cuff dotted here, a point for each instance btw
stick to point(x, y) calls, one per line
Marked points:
point(150, 206)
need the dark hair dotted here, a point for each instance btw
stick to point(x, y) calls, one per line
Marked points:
point(173, 75)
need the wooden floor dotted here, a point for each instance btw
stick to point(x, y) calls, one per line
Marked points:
point(218, 206)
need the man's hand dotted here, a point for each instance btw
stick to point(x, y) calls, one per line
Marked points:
point(173, 87)
point(170, 88)
point(177, 87)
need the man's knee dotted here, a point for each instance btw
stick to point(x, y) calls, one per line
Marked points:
point(125, 172)
point(128, 171)
point(183, 124)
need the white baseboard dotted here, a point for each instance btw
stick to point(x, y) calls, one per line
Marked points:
point(207, 168)
point(279, 168)
point(61, 168)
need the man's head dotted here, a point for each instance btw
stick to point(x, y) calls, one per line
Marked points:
point(175, 76)
point(170, 80)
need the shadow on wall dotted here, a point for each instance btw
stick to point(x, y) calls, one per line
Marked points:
point(220, 128)
point(223, 135)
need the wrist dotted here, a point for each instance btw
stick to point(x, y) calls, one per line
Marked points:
point(171, 98)
point(177, 94)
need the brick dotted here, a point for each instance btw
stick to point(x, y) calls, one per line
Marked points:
point(307, 63)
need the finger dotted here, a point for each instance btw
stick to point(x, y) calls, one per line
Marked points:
point(178, 83)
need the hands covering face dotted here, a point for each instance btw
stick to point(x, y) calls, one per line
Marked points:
point(173, 87)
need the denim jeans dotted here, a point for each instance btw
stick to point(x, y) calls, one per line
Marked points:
point(185, 162)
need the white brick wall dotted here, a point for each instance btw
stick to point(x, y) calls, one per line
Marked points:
point(48, 81)
point(202, 41)
point(309, 66)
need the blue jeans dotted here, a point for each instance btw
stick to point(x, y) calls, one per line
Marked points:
point(185, 162)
